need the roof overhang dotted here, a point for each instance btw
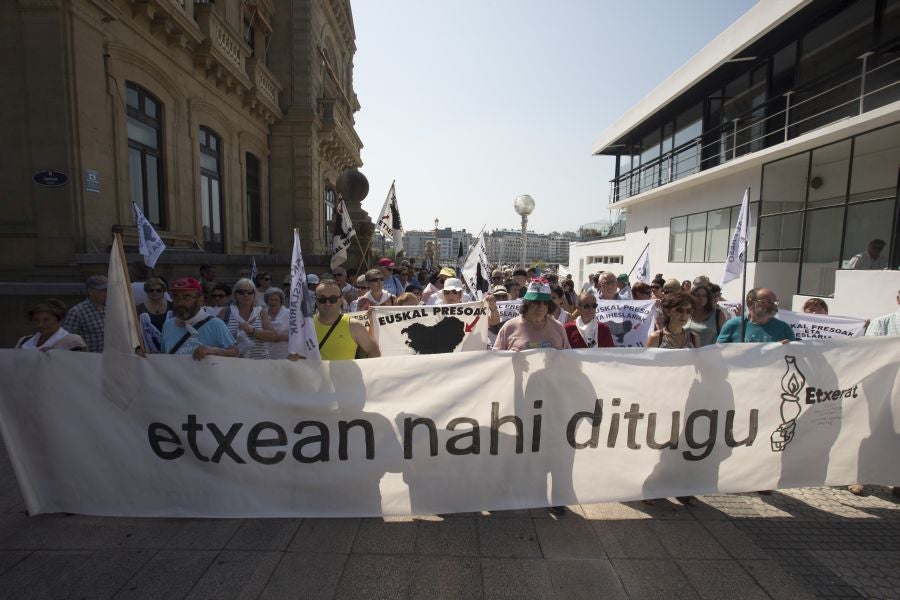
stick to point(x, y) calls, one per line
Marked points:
point(726, 47)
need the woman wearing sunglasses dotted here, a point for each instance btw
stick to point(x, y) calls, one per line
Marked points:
point(153, 313)
point(376, 296)
point(248, 323)
point(587, 331)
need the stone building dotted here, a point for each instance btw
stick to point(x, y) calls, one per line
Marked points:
point(227, 122)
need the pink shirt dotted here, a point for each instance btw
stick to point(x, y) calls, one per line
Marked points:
point(517, 334)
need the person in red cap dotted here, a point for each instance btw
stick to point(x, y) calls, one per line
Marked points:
point(392, 282)
point(192, 331)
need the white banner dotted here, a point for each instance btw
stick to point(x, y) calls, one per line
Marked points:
point(433, 329)
point(150, 245)
point(508, 309)
point(302, 339)
point(389, 223)
point(476, 269)
point(737, 248)
point(731, 308)
point(822, 327)
point(342, 233)
point(630, 321)
point(226, 437)
point(120, 325)
point(643, 266)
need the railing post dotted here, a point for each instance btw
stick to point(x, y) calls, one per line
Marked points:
point(734, 140)
point(699, 142)
point(787, 113)
point(862, 81)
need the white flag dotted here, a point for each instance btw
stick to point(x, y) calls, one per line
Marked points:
point(342, 234)
point(643, 266)
point(302, 337)
point(737, 249)
point(253, 270)
point(476, 270)
point(150, 245)
point(120, 330)
point(389, 223)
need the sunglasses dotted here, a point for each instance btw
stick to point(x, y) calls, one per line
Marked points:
point(244, 292)
point(378, 279)
point(155, 291)
point(220, 295)
point(452, 291)
point(327, 299)
point(592, 305)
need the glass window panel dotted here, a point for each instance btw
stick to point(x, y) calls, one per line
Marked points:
point(780, 231)
point(668, 129)
point(828, 175)
point(209, 162)
point(143, 134)
point(696, 237)
point(150, 107)
point(132, 97)
point(689, 125)
point(754, 216)
point(216, 209)
point(784, 184)
point(718, 234)
point(202, 137)
point(844, 36)
point(821, 250)
point(650, 147)
point(867, 222)
point(136, 176)
point(152, 204)
point(686, 162)
point(213, 143)
point(624, 163)
point(875, 159)
point(204, 206)
point(677, 239)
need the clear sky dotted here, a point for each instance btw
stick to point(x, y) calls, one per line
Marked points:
point(470, 103)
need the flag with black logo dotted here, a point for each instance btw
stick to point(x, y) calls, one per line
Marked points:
point(150, 245)
point(342, 233)
point(389, 223)
point(737, 249)
point(476, 270)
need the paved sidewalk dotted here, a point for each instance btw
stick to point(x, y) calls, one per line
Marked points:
point(793, 544)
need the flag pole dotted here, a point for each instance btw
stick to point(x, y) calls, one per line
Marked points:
point(132, 307)
point(744, 276)
point(638, 259)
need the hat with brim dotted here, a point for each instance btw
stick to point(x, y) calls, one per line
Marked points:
point(447, 272)
point(539, 290)
point(453, 285)
point(186, 284)
point(96, 282)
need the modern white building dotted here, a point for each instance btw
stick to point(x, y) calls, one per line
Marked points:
point(798, 100)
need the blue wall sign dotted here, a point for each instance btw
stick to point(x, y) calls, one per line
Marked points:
point(51, 178)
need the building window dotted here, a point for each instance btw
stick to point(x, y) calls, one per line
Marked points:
point(145, 158)
point(704, 237)
point(211, 190)
point(254, 206)
point(330, 210)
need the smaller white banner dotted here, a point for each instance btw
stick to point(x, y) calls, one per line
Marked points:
point(476, 269)
point(731, 308)
point(822, 327)
point(150, 245)
point(434, 329)
point(509, 309)
point(631, 321)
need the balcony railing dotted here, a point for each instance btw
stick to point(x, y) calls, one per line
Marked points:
point(223, 53)
point(848, 91)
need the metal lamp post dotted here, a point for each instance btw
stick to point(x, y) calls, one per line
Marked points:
point(524, 205)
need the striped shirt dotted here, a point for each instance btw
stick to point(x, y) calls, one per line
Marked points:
point(886, 325)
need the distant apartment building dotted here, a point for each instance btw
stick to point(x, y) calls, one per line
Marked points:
point(448, 242)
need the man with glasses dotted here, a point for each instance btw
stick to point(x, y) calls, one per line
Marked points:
point(587, 331)
point(391, 281)
point(262, 283)
point(607, 286)
point(192, 331)
point(339, 336)
point(762, 326)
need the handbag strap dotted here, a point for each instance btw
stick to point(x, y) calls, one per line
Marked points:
point(330, 329)
point(187, 335)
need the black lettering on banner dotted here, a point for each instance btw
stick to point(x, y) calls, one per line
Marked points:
point(253, 442)
point(192, 427)
point(613, 425)
point(322, 439)
point(751, 433)
point(170, 438)
point(709, 442)
point(408, 426)
point(633, 416)
point(225, 441)
point(596, 418)
point(475, 436)
point(673, 435)
point(344, 427)
point(497, 421)
point(536, 428)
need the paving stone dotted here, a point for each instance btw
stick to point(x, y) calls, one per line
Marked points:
point(507, 538)
point(450, 577)
point(650, 579)
point(573, 511)
point(687, 539)
point(568, 538)
point(325, 535)
point(717, 579)
point(307, 575)
point(516, 579)
point(205, 534)
point(872, 574)
point(614, 511)
point(264, 534)
point(776, 581)
point(375, 536)
point(453, 536)
point(10, 558)
point(374, 576)
point(43, 574)
point(734, 541)
point(236, 574)
point(588, 579)
point(169, 574)
point(629, 539)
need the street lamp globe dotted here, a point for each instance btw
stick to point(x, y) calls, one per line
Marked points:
point(524, 205)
